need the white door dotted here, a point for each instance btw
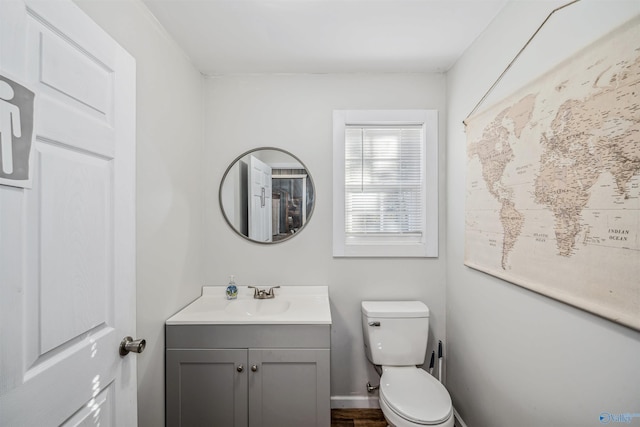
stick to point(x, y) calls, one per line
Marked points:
point(260, 206)
point(67, 246)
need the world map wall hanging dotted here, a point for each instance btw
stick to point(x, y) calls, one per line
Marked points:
point(553, 182)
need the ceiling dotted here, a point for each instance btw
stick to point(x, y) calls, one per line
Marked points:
point(324, 36)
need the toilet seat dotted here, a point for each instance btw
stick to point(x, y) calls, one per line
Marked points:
point(414, 395)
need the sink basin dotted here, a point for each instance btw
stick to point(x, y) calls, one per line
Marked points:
point(257, 307)
point(293, 305)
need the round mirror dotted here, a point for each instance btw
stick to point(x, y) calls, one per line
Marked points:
point(267, 195)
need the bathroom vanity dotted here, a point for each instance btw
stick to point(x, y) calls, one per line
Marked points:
point(250, 362)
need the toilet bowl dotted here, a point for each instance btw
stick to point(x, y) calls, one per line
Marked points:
point(395, 338)
point(410, 397)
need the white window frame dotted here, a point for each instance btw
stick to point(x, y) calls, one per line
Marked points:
point(427, 246)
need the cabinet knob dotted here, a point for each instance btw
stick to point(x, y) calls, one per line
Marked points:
point(254, 368)
point(240, 368)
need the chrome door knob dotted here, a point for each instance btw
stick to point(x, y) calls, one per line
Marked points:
point(254, 368)
point(128, 345)
point(240, 368)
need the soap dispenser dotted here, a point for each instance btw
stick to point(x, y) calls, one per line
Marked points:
point(232, 289)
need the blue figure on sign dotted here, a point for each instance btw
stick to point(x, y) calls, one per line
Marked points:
point(9, 126)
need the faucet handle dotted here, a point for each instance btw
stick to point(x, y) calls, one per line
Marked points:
point(271, 291)
point(256, 291)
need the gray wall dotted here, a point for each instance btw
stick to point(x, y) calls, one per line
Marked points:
point(294, 112)
point(168, 184)
point(516, 357)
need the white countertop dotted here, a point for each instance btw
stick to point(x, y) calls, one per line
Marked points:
point(294, 305)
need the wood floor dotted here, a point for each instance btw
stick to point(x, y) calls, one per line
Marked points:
point(357, 418)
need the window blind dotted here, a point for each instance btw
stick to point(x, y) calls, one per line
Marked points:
point(383, 182)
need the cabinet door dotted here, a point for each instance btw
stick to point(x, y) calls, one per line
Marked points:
point(289, 388)
point(206, 388)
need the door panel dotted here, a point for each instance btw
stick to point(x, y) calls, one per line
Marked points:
point(75, 286)
point(260, 207)
point(205, 388)
point(63, 65)
point(95, 412)
point(289, 388)
point(67, 246)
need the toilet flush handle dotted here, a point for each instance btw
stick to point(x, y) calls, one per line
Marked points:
point(374, 323)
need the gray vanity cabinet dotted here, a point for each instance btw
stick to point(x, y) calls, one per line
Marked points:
point(208, 387)
point(289, 388)
point(248, 375)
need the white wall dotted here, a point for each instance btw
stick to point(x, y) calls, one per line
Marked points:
point(169, 187)
point(294, 112)
point(516, 357)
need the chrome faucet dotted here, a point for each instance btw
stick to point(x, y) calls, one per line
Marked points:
point(263, 293)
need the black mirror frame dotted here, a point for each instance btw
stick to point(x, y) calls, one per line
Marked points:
point(224, 176)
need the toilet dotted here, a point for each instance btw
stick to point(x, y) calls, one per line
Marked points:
point(395, 338)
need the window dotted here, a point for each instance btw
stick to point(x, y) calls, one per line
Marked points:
point(385, 183)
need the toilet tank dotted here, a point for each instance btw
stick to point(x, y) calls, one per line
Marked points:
point(395, 332)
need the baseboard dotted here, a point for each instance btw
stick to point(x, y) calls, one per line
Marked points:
point(340, 402)
point(459, 421)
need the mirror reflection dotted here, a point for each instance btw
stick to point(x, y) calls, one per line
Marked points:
point(267, 195)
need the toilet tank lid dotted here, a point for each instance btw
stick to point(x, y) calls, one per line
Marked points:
point(394, 309)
